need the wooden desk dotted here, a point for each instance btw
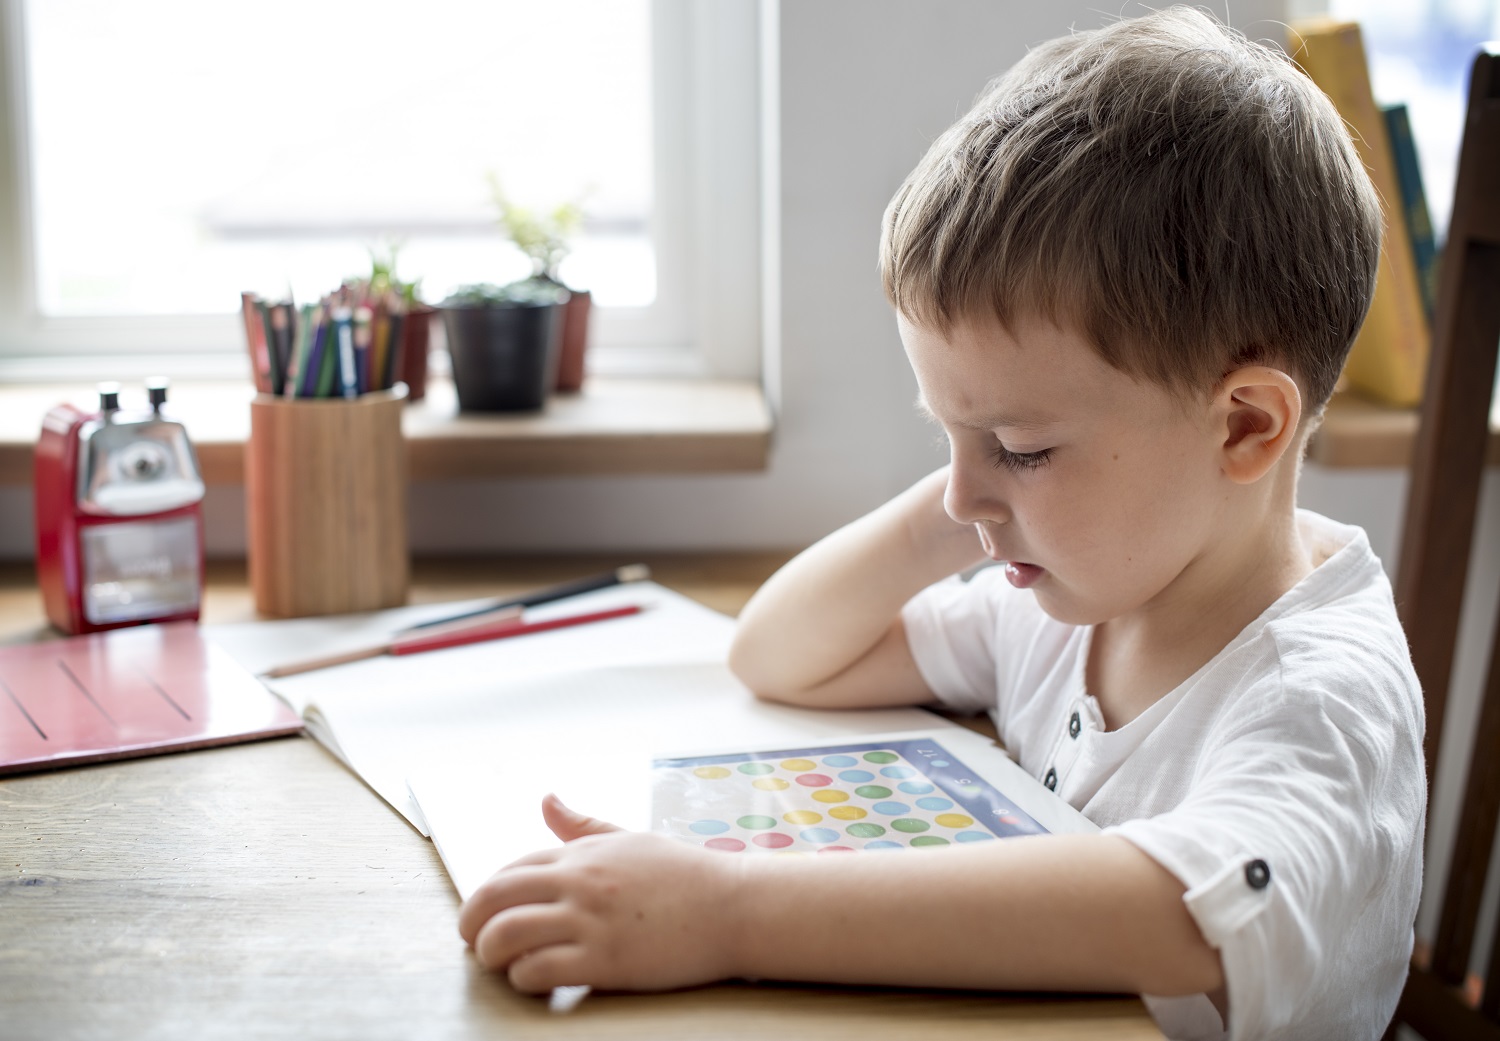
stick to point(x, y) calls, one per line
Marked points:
point(262, 891)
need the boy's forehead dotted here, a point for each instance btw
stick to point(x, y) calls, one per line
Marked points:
point(986, 375)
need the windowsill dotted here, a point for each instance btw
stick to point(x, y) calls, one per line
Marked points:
point(613, 426)
point(1359, 434)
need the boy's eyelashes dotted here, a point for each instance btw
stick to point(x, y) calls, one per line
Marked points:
point(1019, 462)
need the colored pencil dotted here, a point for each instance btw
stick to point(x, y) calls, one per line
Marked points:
point(458, 637)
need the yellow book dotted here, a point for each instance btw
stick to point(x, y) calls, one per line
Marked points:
point(1389, 358)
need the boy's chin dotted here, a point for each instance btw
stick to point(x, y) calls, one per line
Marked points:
point(1065, 609)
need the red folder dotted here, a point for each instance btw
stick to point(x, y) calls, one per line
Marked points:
point(128, 692)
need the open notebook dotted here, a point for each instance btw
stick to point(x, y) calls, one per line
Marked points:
point(381, 715)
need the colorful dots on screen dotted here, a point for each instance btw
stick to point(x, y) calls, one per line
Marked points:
point(797, 765)
point(814, 780)
point(856, 776)
point(935, 803)
point(836, 849)
point(830, 795)
point(973, 836)
point(711, 773)
point(873, 791)
point(819, 835)
point(840, 760)
point(883, 844)
point(758, 822)
point(756, 769)
point(881, 757)
point(899, 772)
point(1008, 819)
point(777, 840)
point(955, 820)
point(771, 784)
point(910, 825)
point(728, 845)
point(708, 827)
point(846, 813)
point(802, 817)
point(866, 831)
point(971, 789)
point(915, 787)
point(941, 762)
point(929, 840)
point(892, 809)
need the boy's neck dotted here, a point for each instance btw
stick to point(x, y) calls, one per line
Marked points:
point(1137, 659)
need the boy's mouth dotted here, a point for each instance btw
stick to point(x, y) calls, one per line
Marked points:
point(1022, 575)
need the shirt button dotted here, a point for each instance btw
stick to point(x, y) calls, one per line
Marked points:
point(1074, 725)
point(1051, 780)
point(1258, 874)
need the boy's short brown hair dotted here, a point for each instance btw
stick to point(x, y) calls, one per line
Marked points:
point(1184, 198)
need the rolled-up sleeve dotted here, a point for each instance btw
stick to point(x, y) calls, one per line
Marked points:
point(1297, 818)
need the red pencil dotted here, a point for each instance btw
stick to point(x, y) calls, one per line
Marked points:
point(501, 629)
point(510, 624)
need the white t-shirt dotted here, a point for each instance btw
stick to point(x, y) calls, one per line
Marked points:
point(1282, 783)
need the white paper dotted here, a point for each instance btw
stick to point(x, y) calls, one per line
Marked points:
point(382, 715)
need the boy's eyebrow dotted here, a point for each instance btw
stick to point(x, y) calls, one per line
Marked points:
point(1012, 421)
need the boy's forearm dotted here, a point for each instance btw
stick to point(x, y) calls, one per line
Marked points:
point(836, 600)
point(1077, 912)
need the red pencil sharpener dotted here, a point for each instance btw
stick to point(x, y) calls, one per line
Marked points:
point(119, 517)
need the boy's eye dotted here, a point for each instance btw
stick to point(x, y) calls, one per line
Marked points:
point(1018, 462)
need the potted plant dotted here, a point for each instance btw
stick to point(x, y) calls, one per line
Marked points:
point(546, 238)
point(504, 343)
point(416, 328)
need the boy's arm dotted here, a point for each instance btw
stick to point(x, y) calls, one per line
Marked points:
point(826, 629)
point(626, 910)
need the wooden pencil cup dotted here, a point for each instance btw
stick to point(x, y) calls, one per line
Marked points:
point(326, 504)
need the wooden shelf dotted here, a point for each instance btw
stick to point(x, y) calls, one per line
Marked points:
point(619, 426)
point(1360, 434)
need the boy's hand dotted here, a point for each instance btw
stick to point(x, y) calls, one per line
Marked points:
point(612, 909)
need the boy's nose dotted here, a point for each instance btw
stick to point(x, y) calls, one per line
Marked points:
point(969, 499)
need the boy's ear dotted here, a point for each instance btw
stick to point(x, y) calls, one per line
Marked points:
point(1261, 409)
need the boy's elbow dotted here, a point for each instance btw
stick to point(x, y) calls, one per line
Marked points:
point(748, 669)
point(1196, 971)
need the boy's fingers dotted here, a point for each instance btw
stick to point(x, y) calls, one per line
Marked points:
point(508, 888)
point(511, 934)
point(568, 824)
point(561, 965)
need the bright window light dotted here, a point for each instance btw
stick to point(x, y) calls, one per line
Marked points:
point(181, 152)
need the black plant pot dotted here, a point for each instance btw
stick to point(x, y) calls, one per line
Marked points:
point(504, 355)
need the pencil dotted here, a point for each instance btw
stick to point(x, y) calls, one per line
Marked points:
point(458, 637)
point(619, 576)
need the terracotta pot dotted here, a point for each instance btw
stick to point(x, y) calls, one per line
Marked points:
point(575, 340)
point(416, 335)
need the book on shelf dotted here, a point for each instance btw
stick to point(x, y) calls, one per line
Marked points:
point(1389, 359)
point(1414, 204)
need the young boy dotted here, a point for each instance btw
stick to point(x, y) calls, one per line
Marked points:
point(1126, 282)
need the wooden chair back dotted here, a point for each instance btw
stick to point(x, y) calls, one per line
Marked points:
point(1443, 998)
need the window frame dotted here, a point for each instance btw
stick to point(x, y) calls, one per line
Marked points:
point(705, 223)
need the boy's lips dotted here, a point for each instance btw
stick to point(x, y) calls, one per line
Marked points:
point(1022, 575)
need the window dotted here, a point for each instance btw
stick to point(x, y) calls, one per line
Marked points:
point(164, 155)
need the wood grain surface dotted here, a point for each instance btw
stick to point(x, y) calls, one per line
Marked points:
point(262, 891)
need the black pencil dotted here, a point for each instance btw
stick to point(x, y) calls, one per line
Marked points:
point(628, 573)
